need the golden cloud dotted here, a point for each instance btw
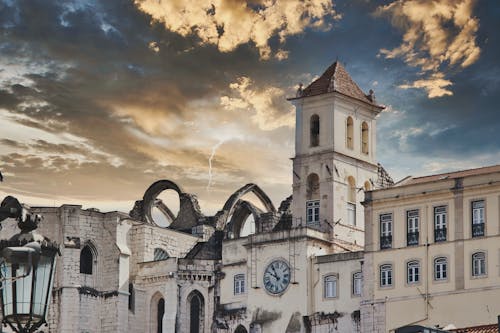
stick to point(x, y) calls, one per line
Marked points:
point(268, 104)
point(435, 85)
point(437, 34)
point(228, 23)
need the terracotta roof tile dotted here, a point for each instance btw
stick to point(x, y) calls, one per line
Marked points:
point(451, 175)
point(337, 79)
point(478, 329)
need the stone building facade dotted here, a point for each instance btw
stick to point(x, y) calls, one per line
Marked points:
point(307, 266)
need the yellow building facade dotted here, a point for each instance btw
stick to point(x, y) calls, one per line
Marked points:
point(432, 252)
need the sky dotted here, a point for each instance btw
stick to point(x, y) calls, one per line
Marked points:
point(99, 99)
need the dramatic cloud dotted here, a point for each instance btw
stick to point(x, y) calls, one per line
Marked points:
point(438, 35)
point(269, 107)
point(228, 23)
point(98, 99)
point(436, 85)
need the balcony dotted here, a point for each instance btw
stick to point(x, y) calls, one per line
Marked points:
point(440, 235)
point(412, 238)
point(385, 242)
point(478, 230)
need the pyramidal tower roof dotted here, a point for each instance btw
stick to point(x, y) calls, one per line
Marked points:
point(337, 79)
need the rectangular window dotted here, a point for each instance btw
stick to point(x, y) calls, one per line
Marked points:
point(478, 218)
point(386, 231)
point(351, 213)
point(312, 207)
point(330, 283)
point(440, 269)
point(478, 264)
point(413, 272)
point(412, 235)
point(356, 284)
point(239, 284)
point(440, 218)
point(386, 275)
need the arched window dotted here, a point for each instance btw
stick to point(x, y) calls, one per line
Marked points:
point(478, 264)
point(86, 260)
point(440, 268)
point(160, 313)
point(313, 187)
point(367, 186)
point(241, 329)
point(160, 254)
point(330, 286)
point(351, 196)
point(314, 130)
point(364, 138)
point(413, 272)
point(157, 311)
point(196, 312)
point(349, 133)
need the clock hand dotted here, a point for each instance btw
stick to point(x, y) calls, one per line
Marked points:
point(275, 274)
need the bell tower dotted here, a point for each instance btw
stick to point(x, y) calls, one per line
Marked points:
point(335, 161)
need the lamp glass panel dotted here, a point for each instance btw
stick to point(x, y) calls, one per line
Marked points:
point(6, 271)
point(42, 285)
point(23, 289)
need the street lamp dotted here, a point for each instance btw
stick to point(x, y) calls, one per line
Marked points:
point(26, 270)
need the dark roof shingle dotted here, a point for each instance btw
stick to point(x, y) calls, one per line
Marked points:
point(337, 79)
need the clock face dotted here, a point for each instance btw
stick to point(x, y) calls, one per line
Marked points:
point(277, 277)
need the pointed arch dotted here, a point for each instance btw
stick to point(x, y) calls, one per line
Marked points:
point(240, 329)
point(243, 209)
point(157, 312)
point(88, 259)
point(231, 203)
point(160, 254)
point(196, 310)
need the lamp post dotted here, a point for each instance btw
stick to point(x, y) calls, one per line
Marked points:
point(27, 267)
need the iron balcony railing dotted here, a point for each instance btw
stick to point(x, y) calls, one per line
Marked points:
point(385, 242)
point(478, 230)
point(412, 238)
point(440, 234)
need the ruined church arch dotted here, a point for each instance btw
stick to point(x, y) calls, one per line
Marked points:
point(232, 203)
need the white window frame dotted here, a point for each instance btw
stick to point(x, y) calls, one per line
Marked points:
point(413, 272)
point(412, 220)
point(479, 264)
point(357, 283)
point(478, 212)
point(386, 224)
point(312, 211)
point(440, 269)
point(330, 283)
point(386, 275)
point(440, 220)
point(440, 217)
point(239, 284)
